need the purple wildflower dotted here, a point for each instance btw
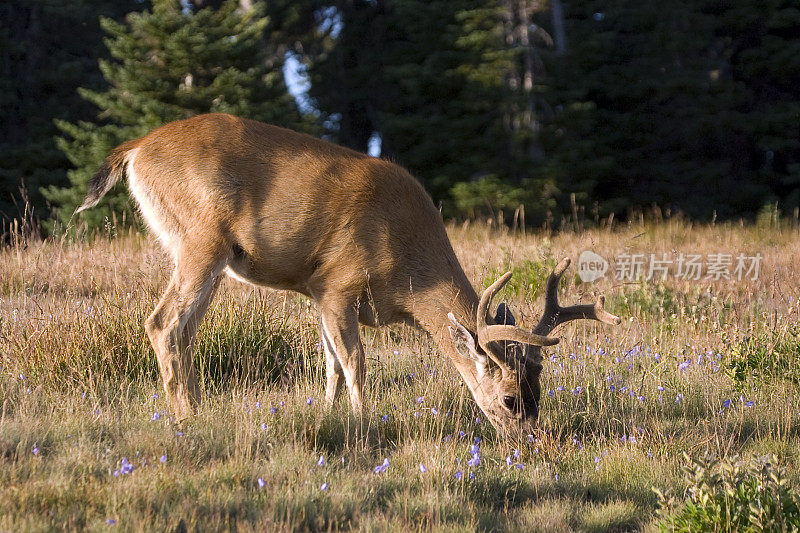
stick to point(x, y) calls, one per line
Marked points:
point(422, 468)
point(321, 461)
point(163, 458)
point(261, 483)
point(458, 475)
point(324, 486)
point(381, 467)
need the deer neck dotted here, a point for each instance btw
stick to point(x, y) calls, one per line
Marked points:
point(431, 313)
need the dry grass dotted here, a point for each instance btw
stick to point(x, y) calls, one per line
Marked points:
point(80, 391)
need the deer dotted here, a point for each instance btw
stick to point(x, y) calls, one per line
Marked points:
point(358, 235)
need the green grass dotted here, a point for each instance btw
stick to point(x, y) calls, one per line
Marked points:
point(80, 390)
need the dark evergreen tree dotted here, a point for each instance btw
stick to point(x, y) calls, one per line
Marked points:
point(47, 50)
point(436, 81)
point(172, 63)
point(685, 105)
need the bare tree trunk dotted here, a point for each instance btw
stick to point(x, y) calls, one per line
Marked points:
point(559, 35)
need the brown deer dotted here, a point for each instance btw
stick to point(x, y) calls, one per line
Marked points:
point(357, 234)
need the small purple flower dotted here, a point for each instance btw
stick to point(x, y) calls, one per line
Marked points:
point(258, 405)
point(163, 458)
point(382, 467)
point(125, 467)
point(434, 411)
point(660, 388)
point(261, 483)
point(458, 475)
point(684, 365)
point(597, 459)
point(475, 461)
point(550, 393)
point(310, 401)
point(384, 418)
point(679, 398)
point(509, 462)
point(461, 434)
point(474, 449)
point(111, 521)
point(471, 476)
point(156, 416)
point(476, 440)
point(519, 466)
point(321, 461)
point(263, 426)
point(516, 454)
point(422, 468)
point(577, 390)
point(420, 399)
point(726, 404)
point(560, 388)
point(324, 486)
point(749, 404)
point(477, 420)
point(35, 450)
point(179, 433)
point(273, 410)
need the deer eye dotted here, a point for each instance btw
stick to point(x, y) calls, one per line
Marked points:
point(511, 403)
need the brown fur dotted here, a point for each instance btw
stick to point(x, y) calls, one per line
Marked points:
point(282, 209)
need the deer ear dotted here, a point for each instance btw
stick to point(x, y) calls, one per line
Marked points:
point(464, 342)
point(504, 316)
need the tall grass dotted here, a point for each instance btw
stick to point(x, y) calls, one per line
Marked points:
point(80, 391)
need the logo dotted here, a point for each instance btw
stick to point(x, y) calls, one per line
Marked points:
point(591, 266)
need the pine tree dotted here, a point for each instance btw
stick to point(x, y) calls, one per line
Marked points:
point(172, 63)
point(47, 50)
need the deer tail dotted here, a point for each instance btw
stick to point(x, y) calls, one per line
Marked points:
point(108, 175)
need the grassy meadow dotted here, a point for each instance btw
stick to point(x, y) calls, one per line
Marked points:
point(700, 380)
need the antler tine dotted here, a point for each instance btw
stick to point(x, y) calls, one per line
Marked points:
point(495, 332)
point(554, 314)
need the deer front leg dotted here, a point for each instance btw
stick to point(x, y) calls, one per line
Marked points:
point(340, 331)
point(173, 324)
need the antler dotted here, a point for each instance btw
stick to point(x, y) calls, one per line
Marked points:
point(496, 332)
point(554, 314)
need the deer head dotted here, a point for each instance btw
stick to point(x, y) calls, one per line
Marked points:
point(508, 359)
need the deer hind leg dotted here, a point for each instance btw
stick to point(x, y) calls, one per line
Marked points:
point(172, 325)
point(340, 331)
point(333, 368)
